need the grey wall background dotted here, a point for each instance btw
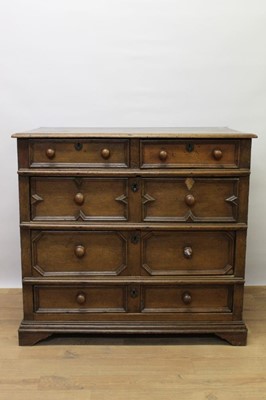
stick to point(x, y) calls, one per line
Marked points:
point(131, 63)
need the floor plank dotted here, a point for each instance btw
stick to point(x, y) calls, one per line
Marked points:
point(133, 368)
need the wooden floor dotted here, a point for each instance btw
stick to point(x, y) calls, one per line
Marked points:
point(141, 368)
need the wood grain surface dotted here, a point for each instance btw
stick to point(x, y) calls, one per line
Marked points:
point(74, 178)
point(150, 132)
point(133, 367)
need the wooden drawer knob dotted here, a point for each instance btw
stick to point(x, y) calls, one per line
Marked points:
point(81, 298)
point(190, 200)
point(79, 198)
point(105, 153)
point(79, 251)
point(187, 252)
point(50, 153)
point(217, 154)
point(163, 155)
point(186, 297)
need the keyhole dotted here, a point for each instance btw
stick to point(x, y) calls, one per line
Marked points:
point(135, 238)
point(133, 293)
point(190, 147)
point(134, 187)
point(78, 146)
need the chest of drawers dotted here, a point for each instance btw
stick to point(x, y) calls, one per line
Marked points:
point(133, 231)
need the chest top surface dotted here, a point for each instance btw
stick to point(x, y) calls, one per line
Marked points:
point(134, 132)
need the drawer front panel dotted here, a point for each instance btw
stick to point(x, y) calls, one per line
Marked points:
point(186, 299)
point(190, 199)
point(79, 253)
point(187, 253)
point(192, 154)
point(97, 153)
point(70, 199)
point(80, 299)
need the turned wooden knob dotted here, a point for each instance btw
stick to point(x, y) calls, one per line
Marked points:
point(163, 155)
point(217, 154)
point(81, 298)
point(190, 200)
point(105, 153)
point(79, 198)
point(50, 153)
point(186, 297)
point(79, 251)
point(187, 252)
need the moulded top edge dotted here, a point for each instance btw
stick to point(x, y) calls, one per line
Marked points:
point(134, 132)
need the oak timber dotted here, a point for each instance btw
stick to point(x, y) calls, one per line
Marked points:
point(133, 230)
point(150, 132)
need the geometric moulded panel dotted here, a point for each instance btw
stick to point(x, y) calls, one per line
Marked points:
point(187, 200)
point(188, 253)
point(79, 199)
point(70, 253)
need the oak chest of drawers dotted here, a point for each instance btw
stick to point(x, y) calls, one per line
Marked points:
point(133, 231)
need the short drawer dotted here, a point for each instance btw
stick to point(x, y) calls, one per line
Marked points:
point(80, 298)
point(186, 298)
point(76, 253)
point(189, 154)
point(79, 199)
point(93, 153)
point(187, 253)
point(191, 199)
